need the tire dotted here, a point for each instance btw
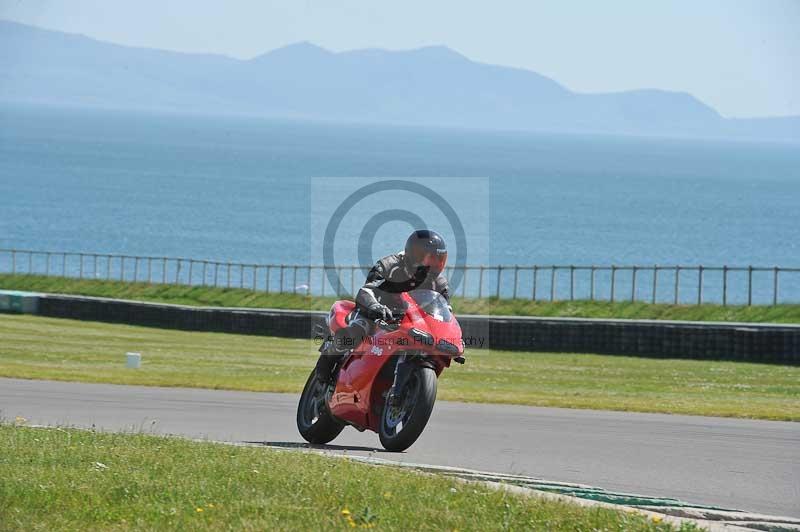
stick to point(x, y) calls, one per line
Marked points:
point(413, 413)
point(314, 421)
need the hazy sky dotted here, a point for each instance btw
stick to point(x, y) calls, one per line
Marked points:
point(742, 57)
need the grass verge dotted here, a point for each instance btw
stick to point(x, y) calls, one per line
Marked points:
point(48, 348)
point(81, 480)
point(234, 297)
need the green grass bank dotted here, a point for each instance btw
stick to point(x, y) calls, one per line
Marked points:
point(47, 348)
point(235, 297)
point(80, 480)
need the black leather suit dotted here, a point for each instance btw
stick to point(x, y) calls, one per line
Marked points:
point(388, 276)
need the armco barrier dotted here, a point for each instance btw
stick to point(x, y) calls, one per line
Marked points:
point(645, 338)
point(14, 301)
point(268, 322)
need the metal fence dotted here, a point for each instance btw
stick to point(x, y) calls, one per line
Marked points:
point(677, 284)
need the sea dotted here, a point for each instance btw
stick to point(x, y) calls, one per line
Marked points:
point(258, 190)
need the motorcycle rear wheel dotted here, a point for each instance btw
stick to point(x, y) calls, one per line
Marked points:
point(401, 425)
point(314, 421)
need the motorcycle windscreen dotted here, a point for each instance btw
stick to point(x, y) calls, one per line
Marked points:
point(433, 304)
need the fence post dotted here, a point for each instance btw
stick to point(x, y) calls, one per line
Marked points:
point(749, 285)
point(516, 279)
point(255, 278)
point(94, 265)
point(30, 262)
point(553, 283)
point(775, 286)
point(499, 275)
point(464, 283)
point(13, 261)
point(308, 283)
point(47, 266)
point(281, 289)
point(80, 262)
point(266, 285)
point(108, 267)
point(480, 284)
point(613, 281)
point(191, 267)
point(64, 264)
point(122, 268)
point(241, 275)
point(633, 284)
point(178, 263)
point(135, 269)
point(571, 282)
point(591, 282)
point(228, 275)
point(352, 280)
point(677, 283)
point(164, 270)
point(205, 267)
point(655, 282)
point(322, 281)
point(724, 285)
point(535, 275)
point(216, 273)
point(700, 285)
point(294, 280)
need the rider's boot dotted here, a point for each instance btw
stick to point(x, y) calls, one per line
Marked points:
point(336, 347)
point(328, 357)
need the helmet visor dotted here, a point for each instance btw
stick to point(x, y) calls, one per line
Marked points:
point(436, 262)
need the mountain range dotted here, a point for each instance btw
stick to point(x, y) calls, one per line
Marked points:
point(430, 86)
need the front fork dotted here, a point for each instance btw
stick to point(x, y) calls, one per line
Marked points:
point(402, 371)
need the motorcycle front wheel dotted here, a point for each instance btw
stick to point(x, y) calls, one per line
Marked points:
point(314, 421)
point(402, 424)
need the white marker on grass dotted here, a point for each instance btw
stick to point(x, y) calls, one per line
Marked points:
point(133, 360)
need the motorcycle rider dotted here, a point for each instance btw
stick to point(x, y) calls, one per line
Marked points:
point(419, 265)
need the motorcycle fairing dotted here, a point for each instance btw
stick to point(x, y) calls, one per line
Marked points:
point(361, 381)
point(337, 318)
point(366, 375)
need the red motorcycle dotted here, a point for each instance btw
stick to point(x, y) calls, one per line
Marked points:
point(387, 383)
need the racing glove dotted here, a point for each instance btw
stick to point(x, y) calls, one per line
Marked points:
point(379, 311)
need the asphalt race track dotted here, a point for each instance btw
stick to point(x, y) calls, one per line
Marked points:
point(740, 464)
